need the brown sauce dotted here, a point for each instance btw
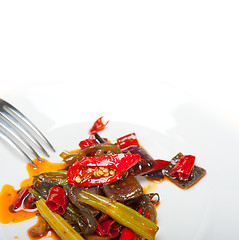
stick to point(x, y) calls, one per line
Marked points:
point(50, 233)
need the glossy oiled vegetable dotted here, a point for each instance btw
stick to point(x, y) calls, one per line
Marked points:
point(93, 171)
point(57, 223)
point(196, 174)
point(124, 215)
point(57, 200)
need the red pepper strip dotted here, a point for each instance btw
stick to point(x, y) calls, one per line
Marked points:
point(81, 173)
point(29, 202)
point(86, 143)
point(89, 141)
point(146, 212)
point(57, 200)
point(103, 217)
point(111, 228)
point(127, 140)
point(99, 230)
point(183, 167)
point(160, 164)
point(98, 125)
point(126, 234)
point(20, 198)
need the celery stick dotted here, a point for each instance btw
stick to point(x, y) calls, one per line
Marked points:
point(57, 223)
point(122, 214)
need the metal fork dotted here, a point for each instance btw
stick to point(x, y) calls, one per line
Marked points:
point(17, 129)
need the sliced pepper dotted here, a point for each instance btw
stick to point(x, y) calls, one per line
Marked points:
point(183, 167)
point(57, 200)
point(29, 202)
point(91, 140)
point(122, 214)
point(127, 140)
point(20, 198)
point(98, 125)
point(111, 228)
point(92, 171)
point(126, 234)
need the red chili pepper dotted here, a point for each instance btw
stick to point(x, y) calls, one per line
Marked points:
point(126, 234)
point(29, 202)
point(146, 212)
point(86, 143)
point(20, 198)
point(111, 228)
point(89, 171)
point(183, 167)
point(127, 140)
point(57, 200)
point(99, 229)
point(107, 226)
point(103, 217)
point(89, 141)
point(98, 125)
point(160, 164)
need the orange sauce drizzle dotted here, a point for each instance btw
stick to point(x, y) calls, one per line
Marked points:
point(8, 195)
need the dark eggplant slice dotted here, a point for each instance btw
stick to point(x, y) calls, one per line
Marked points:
point(74, 218)
point(43, 187)
point(155, 175)
point(88, 212)
point(52, 177)
point(122, 190)
point(196, 174)
point(144, 165)
point(73, 191)
point(134, 149)
point(40, 229)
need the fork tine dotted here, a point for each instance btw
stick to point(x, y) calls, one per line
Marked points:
point(19, 138)
point(17, 147)
point(9, 118)
point(28, 122)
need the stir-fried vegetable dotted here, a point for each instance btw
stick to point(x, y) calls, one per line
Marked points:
point(94, 138)
point(57, 223)
point(57, 200)
point(20, 198)
point(94, 171)
point(98, 196)
point(183, 167)
point(127, 140)
point(94, 149)
point(98, 125)
point(124, 215)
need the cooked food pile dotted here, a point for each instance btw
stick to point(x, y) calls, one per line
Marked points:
point(97, 194)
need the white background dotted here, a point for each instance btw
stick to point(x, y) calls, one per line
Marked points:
point(133, 61)
point(121, 51)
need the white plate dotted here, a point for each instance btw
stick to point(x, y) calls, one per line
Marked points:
point(209, 210)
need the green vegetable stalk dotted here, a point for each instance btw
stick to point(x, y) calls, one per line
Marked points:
point(57, 223)
point(124, 215)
